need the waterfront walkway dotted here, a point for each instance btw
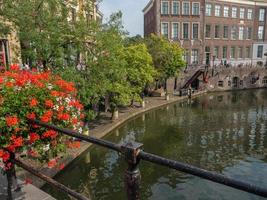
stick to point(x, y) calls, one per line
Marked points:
point(28, 191)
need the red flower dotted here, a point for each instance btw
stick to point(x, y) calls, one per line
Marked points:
point(14, 67)
point(34, 137)
point(63, 116)
point(9, 84)
point(1, 80)
point(12, 121)
point(50, 134)
point(74, 121)
point(55, 93)
point(18, 142)
point(52, 163)
point(49, 103)
point(5, 156)
point(33, 102)
point(47, 116)
point(31, 116)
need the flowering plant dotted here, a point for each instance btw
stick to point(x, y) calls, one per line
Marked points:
point(28, 95)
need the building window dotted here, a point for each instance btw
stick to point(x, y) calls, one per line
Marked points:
point(226, 11)
point(216, 52)
point(217, 31)
point(264, 80)
point(234, 12)
point(195, 30)
point(260, 51)
point(175, 8)
point(225, 32)
point(232, 55)
point(224, 52)
point(165, 29)
point(250, 12)
point(208, 9)
point(262, 14)
point(186, 8)
point(233, 33)
point(185, 30)
point(194, 56)
point(186, 56)
point(175, 31)
point(248, 52)
point(208, 31)
point(241, 33)
point(196, 8)
point(164, 7)
point(242, 13)
point(240, 52)
point(217, 10)
point(249, 33)
point(260, 32)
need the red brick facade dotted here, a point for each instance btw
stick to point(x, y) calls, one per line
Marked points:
point(228, 31)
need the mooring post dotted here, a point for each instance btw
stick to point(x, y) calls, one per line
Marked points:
point(132, 174)
point(12, 183)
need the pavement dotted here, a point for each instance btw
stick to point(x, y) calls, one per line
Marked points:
point(27, 191)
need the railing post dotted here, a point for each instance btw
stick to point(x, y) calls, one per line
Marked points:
point(132, 174)
point(12, 182)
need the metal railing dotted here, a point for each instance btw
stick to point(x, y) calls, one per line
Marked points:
point(133, 154)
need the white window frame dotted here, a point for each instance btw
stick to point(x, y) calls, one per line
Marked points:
point(216, 9)
point(184, 2)
point(224, 9)
point(188, 30)
point(260, 32)
point(242, 14)
point(241, 33)
point(162, 7)
point(258, 51)
point(178, 2)
point(234, 12)
point(168, 28)
point(210, 9)
point(198, 8)
point(195, 56)
point(178, 31)
point(198, 34)
point(249, 13)
point(261, 14)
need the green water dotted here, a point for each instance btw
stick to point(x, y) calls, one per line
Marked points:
point(222, 132)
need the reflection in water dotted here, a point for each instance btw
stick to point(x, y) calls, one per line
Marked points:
point(224, 132)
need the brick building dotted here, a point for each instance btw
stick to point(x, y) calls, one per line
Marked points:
point(212, 31)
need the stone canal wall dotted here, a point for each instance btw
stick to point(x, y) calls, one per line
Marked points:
point(236, 78)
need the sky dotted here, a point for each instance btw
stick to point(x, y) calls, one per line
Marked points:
point(132, 13)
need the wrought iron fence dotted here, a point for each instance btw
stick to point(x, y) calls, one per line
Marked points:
point(133, 154)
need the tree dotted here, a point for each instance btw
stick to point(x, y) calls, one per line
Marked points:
point(47, 34)
point(167, 56)
point(140, 70)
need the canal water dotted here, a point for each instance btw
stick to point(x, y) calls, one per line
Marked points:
point(221, 132)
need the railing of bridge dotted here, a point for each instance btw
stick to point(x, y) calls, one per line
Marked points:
point(133, 153)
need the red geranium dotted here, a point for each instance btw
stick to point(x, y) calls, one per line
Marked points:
point(28, 95)
point(11, 121)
